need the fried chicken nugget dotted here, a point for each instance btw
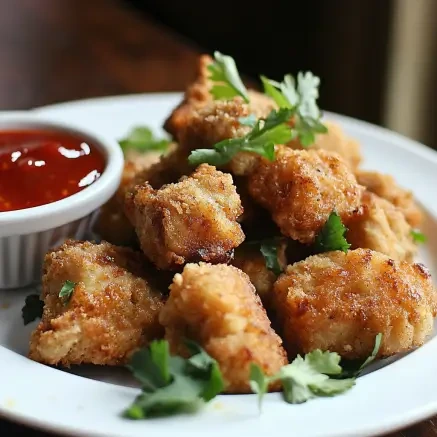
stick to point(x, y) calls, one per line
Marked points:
point(301, 188)
point(113, 309)
point(382, 227)
point(216, 306)
point(198, 96)
point(335, 140)
point(193, 220)
point(385, 186)
point(340, 301)
point(112, 225)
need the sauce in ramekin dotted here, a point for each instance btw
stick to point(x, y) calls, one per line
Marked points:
point(38, 167)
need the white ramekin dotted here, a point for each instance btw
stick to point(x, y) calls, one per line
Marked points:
point(27, 235)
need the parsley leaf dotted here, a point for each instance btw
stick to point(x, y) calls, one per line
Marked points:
point(418, 236)
point(331, 237)
point(228, 82)
point(171, 384)
point(261, 140)
point(354, 369)
point(67, 291)
point(305, 378)
point(141, 138)
point(259, 383)
point(32, 309)
point(302, 99)
point(269, 250)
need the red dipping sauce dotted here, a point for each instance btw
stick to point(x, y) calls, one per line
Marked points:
point(38, 167)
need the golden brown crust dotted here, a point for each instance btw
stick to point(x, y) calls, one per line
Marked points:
point(301, 189)
point(335, 140)
point(386, 187)
point(340, 301)
point(196, 95)
point(112, 225)
point(193, 220)
point(218, 121)
point(216, 306)
point(113, 309)
point(381, 227)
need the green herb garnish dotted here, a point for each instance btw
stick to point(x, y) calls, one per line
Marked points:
point(141, 138)
point(261, 140)
point(418, 236)
point(305, 378)
point(67, 291)
point(331, 237)
point(32, 309)
point(227, 81)
point(302, 99)
point(171, 384)
point(317, 374)
point(270, 252)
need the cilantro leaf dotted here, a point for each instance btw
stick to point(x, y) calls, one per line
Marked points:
point(302, 99)
point(141, 138)
point(171, 384)
point(272, 89)
point(259, 383)
point(418, 236)
point(67, 291)
point(303, 379)
point(32, 309)
point(375, 351)
point(331, 237)
point(324, 362)
point(228, 83)
point(269, 250)
point(261, 140)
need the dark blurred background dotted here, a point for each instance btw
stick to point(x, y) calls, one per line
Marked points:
point(376, 58)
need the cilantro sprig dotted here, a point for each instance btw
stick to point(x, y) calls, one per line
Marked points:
point(226, 79)
point(331, 237)
point(315, 375)
point(67, 291)
point(261, 140)
point(171, 384)
point(142, 139)
point(301, 96)
point(418, 236)
point(32, 309)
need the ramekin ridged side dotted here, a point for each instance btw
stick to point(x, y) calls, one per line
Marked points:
point(22, 256)
point(26, 235)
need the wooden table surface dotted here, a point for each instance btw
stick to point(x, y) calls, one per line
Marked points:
point(58, 50)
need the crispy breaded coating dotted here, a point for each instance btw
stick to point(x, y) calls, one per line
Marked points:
point(385, 186)
point(193, 220)
point(340, 301)
point(113, 309)
point(301, 188)
point(250, 260)
point(381, 227)
point(197, 96)
point(335, 140)
point(112, 225)
point(217, 121)
point(216, 306)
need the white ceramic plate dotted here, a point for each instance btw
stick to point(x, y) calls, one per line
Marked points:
point(88, 401)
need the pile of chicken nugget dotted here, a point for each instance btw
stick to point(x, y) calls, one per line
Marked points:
point(177, 258)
